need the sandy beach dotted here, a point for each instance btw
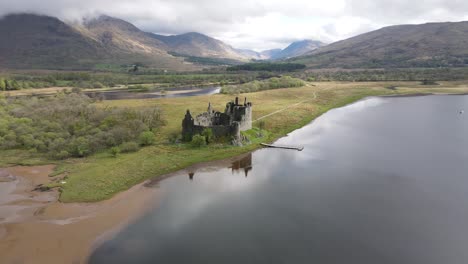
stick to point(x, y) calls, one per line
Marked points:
point(36, 228)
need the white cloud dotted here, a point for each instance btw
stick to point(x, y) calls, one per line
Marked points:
point(257, 24)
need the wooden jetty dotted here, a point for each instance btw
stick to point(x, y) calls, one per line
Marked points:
point(299, 148)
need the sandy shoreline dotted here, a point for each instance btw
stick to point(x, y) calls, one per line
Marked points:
point(36, 228)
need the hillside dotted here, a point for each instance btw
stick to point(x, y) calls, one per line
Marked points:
point(42, 42)
point(270, 53)
point(426, 45)
point(199, 45)
point(45, 42)
point(128, 43)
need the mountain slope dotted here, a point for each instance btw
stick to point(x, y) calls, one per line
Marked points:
point(128, 43)
point(297, 48)
point(114, 33)
point(199, 45)
point(426, 45)
point(270, 53)
point(40, 42)
point(46, 42)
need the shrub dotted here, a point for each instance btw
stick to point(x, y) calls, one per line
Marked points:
point(147, 138)
point(115, 151)
point(62, 155)
point(76, 90)
point(80, 147)
point(98, 85)
point(174, 137)
point(127, 147)
point(208, 134)
point(198, 141)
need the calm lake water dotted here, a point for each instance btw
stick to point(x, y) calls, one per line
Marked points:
point(180, 92)
point(384, 180)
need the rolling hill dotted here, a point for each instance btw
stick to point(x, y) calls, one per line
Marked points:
point(426, 45)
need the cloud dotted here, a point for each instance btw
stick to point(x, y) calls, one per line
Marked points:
point(257, 24)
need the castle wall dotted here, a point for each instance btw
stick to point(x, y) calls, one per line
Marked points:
point(246, 119)
point(204, 119)
point(219, 131)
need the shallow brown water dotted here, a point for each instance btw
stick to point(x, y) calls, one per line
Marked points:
point(36, 228)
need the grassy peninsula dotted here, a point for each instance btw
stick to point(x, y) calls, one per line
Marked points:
point(102, 175)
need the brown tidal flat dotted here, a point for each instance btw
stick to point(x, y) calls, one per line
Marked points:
point(36, 228)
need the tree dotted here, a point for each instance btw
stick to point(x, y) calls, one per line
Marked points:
point(2, 84)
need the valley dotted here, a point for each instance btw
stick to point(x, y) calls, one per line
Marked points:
point(136, 132)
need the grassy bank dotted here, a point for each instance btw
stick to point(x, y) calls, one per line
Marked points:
point(101, 176)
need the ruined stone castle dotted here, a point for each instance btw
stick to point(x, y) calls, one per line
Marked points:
point(237, 117)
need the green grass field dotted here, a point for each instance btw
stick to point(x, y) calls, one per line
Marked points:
point(101, 176)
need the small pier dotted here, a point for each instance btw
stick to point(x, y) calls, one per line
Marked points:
point(298, 148)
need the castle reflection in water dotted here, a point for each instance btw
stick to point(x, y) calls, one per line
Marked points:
point(242, 165)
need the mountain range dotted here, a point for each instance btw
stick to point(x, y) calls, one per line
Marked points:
point(42, 42)
point(45, 42)
point(425, 45)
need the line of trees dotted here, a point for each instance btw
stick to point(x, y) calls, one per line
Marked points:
point(268, 66)
point(440, 74)
point(9, 85)
point(268, 84)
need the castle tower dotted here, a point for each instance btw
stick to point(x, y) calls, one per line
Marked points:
point(210, 109)
point(187, 126)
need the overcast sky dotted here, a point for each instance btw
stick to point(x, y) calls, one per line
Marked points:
point(254, 24)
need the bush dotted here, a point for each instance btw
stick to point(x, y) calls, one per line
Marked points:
point(80, 147)
point(98, 85)
point(127, 147)
point(198, 141)
point(76, 90)
point(115, 151)
point(62, 155)
point(208, 134)
point(147, 138)
point(174, 137)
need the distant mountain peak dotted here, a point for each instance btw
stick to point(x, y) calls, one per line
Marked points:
point(108, 21)
point(295, 49)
